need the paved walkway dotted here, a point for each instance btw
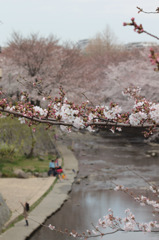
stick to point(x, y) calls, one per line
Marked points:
point(31, 190)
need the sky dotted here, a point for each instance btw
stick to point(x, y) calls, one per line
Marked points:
point(74, 20)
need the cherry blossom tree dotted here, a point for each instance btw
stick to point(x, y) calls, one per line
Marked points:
point(69, 115)
point(80, 74)
point(32, 52)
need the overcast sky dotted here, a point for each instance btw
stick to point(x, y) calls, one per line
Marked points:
point(73, 20)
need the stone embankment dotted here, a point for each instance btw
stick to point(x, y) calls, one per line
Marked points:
point(4, 212)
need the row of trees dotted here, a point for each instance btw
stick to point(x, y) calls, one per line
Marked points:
point(46, 63)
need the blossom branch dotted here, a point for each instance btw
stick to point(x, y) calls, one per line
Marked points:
point(139, 28)
point(154, 58)
point(51, 121)
point(34, 119)
point(126, 224)
point(141, 199)
point(67, 115)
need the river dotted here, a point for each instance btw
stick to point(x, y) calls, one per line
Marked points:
point(103, 161)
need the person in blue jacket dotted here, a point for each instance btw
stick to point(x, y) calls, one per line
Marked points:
point(52, 171)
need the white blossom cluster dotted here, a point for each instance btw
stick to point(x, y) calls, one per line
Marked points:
point(154, 189)
point(8, 108)
point(146, 201)
point(68, 115)
point(154, 114)
point(128, 223)
point(137, 118)
point(112, 113)
point(131, 92)
point(41, 111)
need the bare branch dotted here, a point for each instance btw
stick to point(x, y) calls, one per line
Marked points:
point(141, 10)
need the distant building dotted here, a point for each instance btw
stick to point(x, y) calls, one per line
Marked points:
point(82, 44)
point(140, 44)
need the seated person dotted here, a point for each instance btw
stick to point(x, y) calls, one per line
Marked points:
point(59, 169)
point(52, 171)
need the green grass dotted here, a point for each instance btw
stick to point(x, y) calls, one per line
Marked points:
point(16, 141)
point(32, 165)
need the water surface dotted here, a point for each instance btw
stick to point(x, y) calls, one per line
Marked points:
point(103, 161)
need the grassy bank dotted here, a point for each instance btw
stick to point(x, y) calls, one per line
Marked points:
point(33, 164)
point(21, 148)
